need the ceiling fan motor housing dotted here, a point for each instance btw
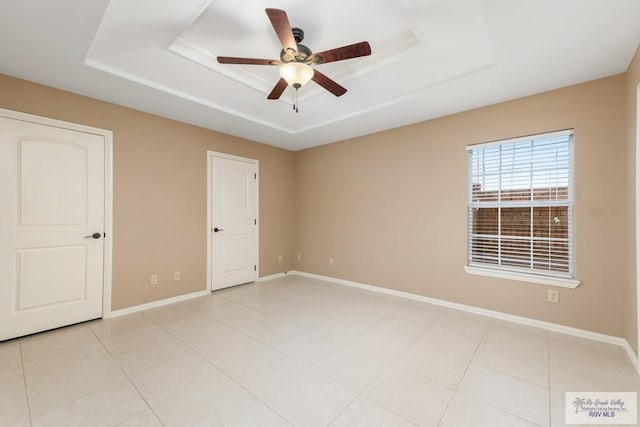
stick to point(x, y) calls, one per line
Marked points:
point(303, 51)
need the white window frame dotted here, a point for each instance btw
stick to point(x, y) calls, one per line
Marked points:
point(547, 278)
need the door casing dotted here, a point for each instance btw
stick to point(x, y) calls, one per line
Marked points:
point(108, 190)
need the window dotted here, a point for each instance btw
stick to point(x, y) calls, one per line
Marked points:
point(520, 206)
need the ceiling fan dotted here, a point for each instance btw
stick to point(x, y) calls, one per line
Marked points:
point(296, 59)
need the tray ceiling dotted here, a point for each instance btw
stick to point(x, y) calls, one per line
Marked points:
point(430, 57)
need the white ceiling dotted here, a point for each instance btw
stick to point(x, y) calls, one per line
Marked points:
point(430, 57)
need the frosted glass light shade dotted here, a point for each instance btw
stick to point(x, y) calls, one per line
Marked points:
point(296, 73)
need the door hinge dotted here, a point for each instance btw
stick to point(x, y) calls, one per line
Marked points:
point(255, 176)
point(255, 222)
point(254, 268)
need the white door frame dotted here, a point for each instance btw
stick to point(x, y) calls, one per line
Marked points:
point(210, 156)
point(108, 190)
point(637, 174)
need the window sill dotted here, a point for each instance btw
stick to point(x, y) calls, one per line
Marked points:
point(523, 277)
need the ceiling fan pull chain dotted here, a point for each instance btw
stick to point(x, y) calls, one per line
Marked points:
point(295, 100)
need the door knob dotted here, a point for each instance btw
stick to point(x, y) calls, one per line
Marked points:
point(93, 236)
point(215, 230)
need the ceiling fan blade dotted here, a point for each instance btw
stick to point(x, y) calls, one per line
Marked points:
point(278, 89)
point(247, 61)
point(328, 84)
point(341, 53)
point(281, 25)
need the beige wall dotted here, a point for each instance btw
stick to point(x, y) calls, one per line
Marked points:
point(160, 169)
point(632, 80)
point(390, 208)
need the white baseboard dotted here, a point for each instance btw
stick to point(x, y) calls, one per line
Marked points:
point(489, 313)
point(630, 353)
point(273, 276)
point(179, 298)
point(155, 304)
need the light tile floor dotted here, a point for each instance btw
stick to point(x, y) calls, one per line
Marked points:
point(301, 352)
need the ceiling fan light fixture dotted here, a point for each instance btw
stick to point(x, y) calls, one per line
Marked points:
point(297, 74)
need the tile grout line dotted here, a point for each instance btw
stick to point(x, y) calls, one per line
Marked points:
point(502, 373)
point(432, 325)
point(224, 320)
point(310, 367)
point(499, 372)
point(341, 345)
point(485, 338)
point(127, 377)
point(466, 369)
point(221, 371)
point(492, 320)
point(24, 380)
point(361, 393)
point(540, 324)
point(235, 328)
point(380, 320)
point(269, 345)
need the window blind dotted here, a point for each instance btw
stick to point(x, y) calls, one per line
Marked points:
point(520, 204)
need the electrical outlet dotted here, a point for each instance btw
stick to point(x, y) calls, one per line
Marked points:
point(553, 296)
point(331, 262)
point(177, 275)
point(279, 258)
point(154, 279)
point(299, 257)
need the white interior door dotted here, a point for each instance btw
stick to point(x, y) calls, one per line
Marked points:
point(233, 221)
point(51, 198)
